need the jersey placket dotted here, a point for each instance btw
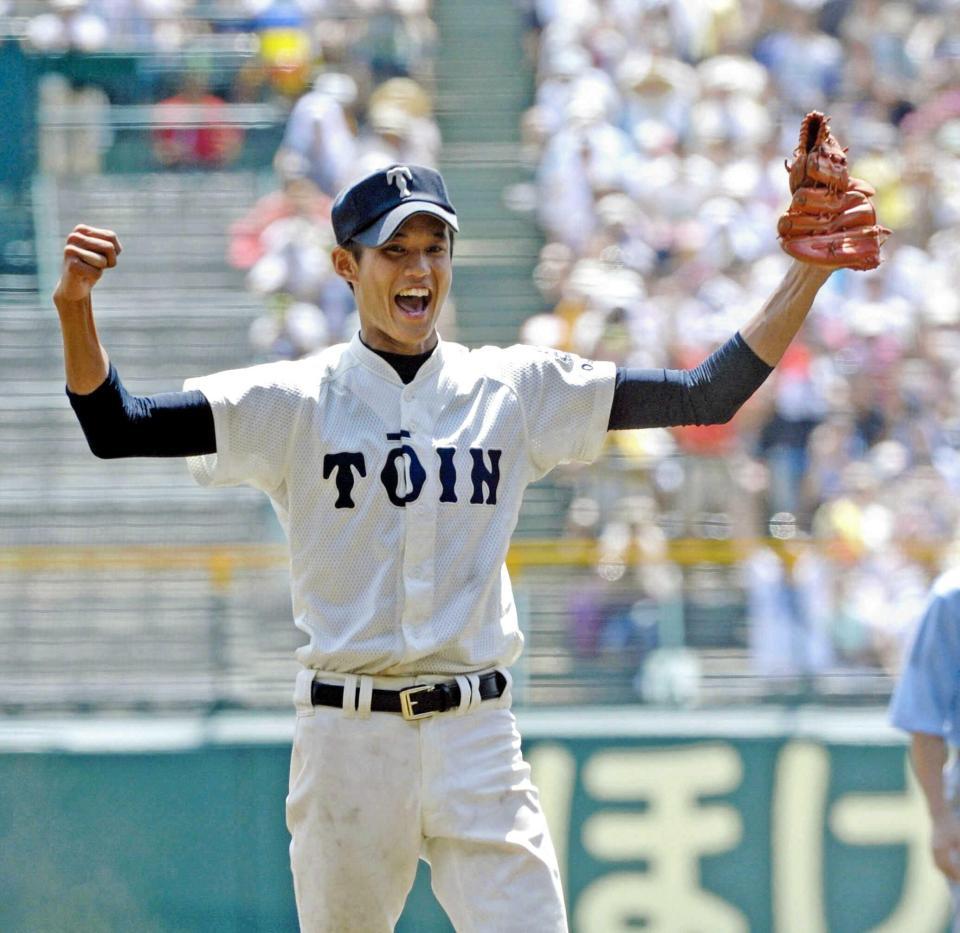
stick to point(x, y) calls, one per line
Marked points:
point(420, 521)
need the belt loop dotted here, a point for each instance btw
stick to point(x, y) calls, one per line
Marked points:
point(350, 695)
point(302, 692)
point(466, 692)
point(475, 698)
point(366, 695)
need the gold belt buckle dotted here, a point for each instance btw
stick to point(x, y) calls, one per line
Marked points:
point(407, 702)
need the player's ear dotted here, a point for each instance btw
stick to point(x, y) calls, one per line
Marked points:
point(345, 264)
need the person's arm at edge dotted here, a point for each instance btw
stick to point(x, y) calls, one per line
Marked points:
point(769, 332)
point(929, 755)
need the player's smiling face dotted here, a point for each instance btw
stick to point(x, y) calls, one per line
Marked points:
point(401, 286)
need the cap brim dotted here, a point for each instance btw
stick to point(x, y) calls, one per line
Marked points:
point(381, 230)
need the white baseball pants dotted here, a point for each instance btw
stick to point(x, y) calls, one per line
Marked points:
point(371, 793)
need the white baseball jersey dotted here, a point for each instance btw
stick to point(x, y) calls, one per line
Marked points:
point(398, 501)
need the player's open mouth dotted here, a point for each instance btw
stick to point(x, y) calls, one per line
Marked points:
point(413, 302)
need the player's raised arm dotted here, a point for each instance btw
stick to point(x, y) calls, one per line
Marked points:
point(769, 332)
point(87, 253)
point(829, 224)
point(116, 423)
point(714, 391)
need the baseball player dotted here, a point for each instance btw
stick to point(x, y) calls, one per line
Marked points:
point(926, 704)
point(396, 464)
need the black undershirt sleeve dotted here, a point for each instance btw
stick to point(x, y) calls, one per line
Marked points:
point(118, 424)
point(712, 393)
point(180, 424)
point(171, 424)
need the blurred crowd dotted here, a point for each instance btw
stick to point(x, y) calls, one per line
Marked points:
point(349, 80)
point(290, 34)
point(367, 106)
point(333, 135)
point(658, 136)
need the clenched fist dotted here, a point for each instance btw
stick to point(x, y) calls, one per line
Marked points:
point(89, 250)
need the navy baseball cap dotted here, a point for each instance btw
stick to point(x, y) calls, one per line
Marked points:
point(370, 210)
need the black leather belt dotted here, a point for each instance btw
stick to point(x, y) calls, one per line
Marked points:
point(415, 702)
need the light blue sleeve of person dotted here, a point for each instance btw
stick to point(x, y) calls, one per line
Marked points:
point(926, 696)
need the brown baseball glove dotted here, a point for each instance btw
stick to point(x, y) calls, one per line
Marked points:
point(831, 220)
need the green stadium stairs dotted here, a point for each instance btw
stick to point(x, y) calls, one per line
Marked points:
point(483, 88)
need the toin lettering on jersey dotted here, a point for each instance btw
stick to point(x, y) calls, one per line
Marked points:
point(403, 475)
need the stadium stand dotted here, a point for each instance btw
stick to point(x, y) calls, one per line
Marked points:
point(843, 466)
point(110, 560)
point(658, 133)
